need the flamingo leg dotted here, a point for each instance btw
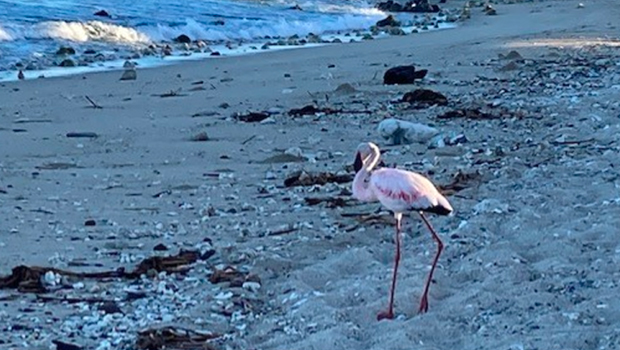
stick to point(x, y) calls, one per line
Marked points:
point(424, 300)
point(389, 313)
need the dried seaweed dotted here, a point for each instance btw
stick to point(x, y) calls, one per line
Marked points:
point(174, 338)
point(302, 178)
point(331, 202)
point(29, 279)
point(460, 181)
point(232, 275)
point(312, 110)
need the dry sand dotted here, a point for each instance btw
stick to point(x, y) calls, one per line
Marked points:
point(531, 258)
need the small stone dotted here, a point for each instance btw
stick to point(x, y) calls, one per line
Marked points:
point(90, 222)
point(200, 137)
point(110, 307)
point(183, 39)
point(251, 286)
point(160, 247)
point(67, 63)
point(129, 74)
point(65, 50)
point(580, 5)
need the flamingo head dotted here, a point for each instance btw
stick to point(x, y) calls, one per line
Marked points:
point(364, 152)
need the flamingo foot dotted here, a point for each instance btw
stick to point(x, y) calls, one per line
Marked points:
point(389, 314)
point(423, 305)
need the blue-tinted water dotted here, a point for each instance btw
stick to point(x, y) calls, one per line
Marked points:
point(32, 28)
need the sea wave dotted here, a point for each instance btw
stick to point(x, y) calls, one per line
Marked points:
point(74, 31)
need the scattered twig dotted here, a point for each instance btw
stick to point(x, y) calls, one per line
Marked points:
point(95, 105)
point(248, 139)
point(570, 143)
point(282, 231)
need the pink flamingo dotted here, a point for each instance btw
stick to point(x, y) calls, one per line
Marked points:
point(399, 191)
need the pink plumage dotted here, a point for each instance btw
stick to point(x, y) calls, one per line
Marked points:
point(399, 191)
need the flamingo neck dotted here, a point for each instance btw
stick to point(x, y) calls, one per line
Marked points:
point(372, 160)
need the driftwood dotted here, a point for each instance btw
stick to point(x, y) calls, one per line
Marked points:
point(174, 338)
point(232, 275)
point(29, 279)
point(302, 178)
point(95, 105)
point(313, 110)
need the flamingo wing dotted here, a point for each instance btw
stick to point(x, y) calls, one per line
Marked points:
point(401, 190)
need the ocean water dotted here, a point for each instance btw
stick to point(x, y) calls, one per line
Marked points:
point(32, 30)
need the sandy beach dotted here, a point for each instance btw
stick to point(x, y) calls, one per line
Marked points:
point(532, 253)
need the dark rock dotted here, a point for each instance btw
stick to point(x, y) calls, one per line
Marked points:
point(90, 222)
point(160, 247)
point(218, 22)
point(67, 63)
point(61, 345)
point(184, 39)
point(129, 74)
point(110, 307)
point(65, 50)
point(388, 21)
point(296, 7)
point(403, 75)
point(89, 52)
point(415, 6)
point(425, 96)
point(206, 255)
point(252, 117)
point(102, 13)
point(215, 53)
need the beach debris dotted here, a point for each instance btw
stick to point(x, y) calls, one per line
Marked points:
point(313, 110)
point(61, 345)
point(389, 21)
point(174, 338)
point(183, 39)
point(205, 114)
point(425, 97)
point(102, 13)
point(37, 279)
point(460, 181)
point(330, 202)
point(58, 166)
point(86, 134)
point(93, 103)
point(512, 55)
point(303, 178)
point(20, 75)
point(468, 113)
point(489, 10)
point(404, 132)
point(232, 275)
point(171, 93)
point(283, 158)
point(416, 6)
point(251, 117)
point(129, 74)
point(403, 75)
point(200, 137)
point(449, 139)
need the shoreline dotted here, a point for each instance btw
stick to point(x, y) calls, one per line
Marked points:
point(165, 165)
point(156, 54)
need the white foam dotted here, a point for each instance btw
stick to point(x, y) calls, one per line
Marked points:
point(74, 31)
point(4, 35)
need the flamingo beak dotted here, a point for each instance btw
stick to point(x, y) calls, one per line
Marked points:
point(358, 163)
